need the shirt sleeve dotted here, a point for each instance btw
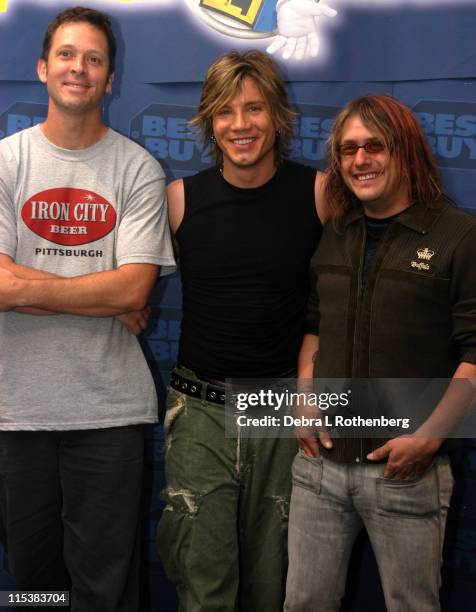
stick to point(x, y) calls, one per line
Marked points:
point(144, 235)
point(8, 223)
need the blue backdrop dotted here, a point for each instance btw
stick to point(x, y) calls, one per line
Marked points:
point(421, 51)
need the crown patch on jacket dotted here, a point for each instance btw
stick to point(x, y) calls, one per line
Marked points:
point(425, 254)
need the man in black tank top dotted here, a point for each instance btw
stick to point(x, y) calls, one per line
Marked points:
point(394, 297)
point(245, 231)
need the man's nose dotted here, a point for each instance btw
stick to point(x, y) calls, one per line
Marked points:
point(240, 121)
point(78, 64)
point(361, 157)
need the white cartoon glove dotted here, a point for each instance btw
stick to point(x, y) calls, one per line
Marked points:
point(297, 36)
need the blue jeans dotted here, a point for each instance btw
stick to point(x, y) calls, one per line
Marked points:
point(405, 521)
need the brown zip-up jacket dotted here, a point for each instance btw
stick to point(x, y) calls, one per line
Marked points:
point(415, 316)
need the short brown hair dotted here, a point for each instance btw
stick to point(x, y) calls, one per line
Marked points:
point(404, 139)
point(224, 79)
point(80, 14)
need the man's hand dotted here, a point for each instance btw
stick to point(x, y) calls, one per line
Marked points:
point(408, 457)
point(309, 438)
point(311, 434)
point(297, 35)
point(135, 321)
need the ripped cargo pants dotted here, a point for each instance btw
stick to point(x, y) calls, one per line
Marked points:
point(223, 534)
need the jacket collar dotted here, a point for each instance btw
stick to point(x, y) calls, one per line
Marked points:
point(416, 217)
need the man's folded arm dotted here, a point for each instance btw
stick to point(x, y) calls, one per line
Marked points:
point(25, 272)
point(100, 294)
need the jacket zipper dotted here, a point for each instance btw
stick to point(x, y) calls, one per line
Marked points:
point(360, 294)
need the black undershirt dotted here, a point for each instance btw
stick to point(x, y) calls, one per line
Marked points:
point(376, 229)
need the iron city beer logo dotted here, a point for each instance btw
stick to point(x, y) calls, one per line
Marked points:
point(69, 216)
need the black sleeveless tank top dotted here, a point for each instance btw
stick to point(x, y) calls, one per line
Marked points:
point(244, 260)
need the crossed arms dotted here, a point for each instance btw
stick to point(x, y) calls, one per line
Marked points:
point(121, 293)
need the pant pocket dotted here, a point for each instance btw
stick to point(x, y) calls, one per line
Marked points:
point(175, 407)
point(410, 498)
point(307, 472)
point(174, 531)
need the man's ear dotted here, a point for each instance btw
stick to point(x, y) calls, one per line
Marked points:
point(41, 70)
point(109, 83)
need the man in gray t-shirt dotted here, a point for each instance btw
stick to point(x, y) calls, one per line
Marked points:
point(83, 233)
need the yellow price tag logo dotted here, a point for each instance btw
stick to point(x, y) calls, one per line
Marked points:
point(244, 11)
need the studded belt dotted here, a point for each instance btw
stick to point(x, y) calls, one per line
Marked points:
point(198, 389)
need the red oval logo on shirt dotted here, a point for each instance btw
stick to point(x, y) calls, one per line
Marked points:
point(69, 216)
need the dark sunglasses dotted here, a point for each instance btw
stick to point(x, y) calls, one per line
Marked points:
point(372, 147)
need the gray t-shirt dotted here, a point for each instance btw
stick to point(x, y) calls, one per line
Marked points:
point(73, 212)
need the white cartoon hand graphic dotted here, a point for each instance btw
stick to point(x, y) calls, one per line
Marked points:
point(297, 36)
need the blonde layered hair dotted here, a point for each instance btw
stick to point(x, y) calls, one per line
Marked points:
point(223, 81)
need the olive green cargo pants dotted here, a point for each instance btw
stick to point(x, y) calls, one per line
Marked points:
point(223, 534)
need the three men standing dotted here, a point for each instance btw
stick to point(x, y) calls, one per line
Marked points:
point(245, 232)
point(83, 232)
